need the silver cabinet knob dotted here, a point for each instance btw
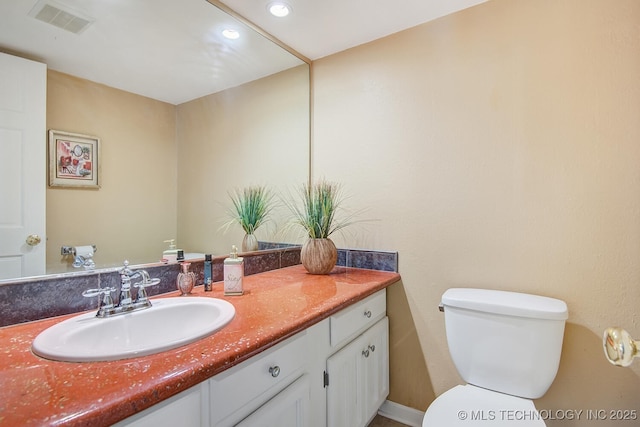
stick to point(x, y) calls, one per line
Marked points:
point(33, 240)
point(274, 371)
point(370, 349)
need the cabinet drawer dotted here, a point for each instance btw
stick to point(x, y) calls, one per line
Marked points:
point(189, 408)
point(352, 321)
point(254, 381)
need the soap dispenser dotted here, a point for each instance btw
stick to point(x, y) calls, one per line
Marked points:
point(233, 273)
point(170, 255)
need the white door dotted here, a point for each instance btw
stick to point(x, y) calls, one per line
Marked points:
point(23, 136)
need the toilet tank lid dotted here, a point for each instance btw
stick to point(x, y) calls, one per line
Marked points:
point(506, 303)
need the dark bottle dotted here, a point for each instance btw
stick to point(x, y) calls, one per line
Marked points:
point(207, 272)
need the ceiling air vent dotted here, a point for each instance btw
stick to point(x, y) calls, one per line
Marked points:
point(60, 16)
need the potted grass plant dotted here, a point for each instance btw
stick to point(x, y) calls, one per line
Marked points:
point(251, 209)
point(318, 211)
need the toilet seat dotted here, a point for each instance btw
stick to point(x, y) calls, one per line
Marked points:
point(470, 406)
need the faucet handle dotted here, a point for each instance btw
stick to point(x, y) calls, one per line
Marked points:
point(105, 293)
point(146, 282)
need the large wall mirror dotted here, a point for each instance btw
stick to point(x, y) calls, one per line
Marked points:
point(184, 117)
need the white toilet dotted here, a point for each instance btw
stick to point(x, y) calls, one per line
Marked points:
point(506, 346)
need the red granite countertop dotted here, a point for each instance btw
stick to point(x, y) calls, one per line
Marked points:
point(276, 305)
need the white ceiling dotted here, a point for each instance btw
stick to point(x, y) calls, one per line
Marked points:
point(171, 50)
point(317, 28)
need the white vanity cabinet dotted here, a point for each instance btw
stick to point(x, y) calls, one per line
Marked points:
point(335, 373)
point(270, 389)
point(358, 374)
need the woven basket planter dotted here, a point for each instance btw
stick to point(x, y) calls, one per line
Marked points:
point(319, 256)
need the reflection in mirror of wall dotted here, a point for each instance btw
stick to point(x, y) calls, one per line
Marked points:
point(168, 160)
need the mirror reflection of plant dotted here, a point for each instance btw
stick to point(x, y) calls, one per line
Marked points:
point(251, 207)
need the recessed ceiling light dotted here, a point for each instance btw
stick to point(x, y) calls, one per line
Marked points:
point(279, 9)
point(230, 33)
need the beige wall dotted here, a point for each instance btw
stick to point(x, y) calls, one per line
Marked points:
point(135, 208)
point(254, 134)
point(498, 147)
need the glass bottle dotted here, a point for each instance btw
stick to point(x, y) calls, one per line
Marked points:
point(186, 279)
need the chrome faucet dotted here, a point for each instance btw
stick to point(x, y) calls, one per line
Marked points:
point(84, 261)
point(126, 274)
point(126, 303)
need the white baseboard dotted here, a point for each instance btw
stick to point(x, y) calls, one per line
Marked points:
point(402, 414)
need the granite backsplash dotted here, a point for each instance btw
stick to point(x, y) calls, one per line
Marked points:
point(34, 299)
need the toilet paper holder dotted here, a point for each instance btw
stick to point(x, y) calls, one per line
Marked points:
point(71, 250)
point(619, 347)
point(82, 256)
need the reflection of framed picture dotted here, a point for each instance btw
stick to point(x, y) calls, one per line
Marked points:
point(74, 160)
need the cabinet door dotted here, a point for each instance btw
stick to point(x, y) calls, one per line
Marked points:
point(343, 388)
point(375, 380)
point(289, 408)
point(359, 378)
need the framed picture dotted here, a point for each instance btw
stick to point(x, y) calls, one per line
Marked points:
point(74, 160)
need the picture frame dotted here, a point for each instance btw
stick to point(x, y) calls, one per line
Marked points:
point(74, 160)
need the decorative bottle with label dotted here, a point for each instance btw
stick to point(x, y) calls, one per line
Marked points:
point(233, 273)
point(186, 279)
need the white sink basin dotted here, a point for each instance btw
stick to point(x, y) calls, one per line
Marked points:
point(169, 323)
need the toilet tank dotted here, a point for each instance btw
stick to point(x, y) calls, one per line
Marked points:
point(505, 341)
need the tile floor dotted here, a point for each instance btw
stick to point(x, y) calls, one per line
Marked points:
point(380, 421)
